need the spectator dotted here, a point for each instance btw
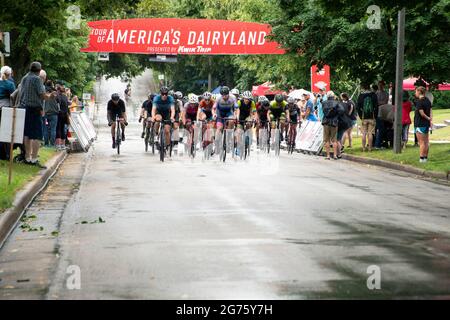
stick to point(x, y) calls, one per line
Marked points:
point(321, 97)
point(422, 122)
point(406, 119)
point(344, 122)
point(330, 124)
point(63, 118)
point(382, 95)
point(50, 119)
point(351, 111)
point(32, 93)
point(386, 116)
point(309, 107)
point(7, 87)
point(75, 104)
point(367, 108)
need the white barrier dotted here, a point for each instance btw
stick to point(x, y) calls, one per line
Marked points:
point(310, 137)
point(83, 129)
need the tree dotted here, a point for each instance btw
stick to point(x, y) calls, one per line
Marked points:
point(335, 33)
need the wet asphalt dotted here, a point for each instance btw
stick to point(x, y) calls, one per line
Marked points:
point(293, 227)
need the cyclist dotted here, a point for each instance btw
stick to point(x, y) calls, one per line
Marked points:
point(262, 118)
point(146, 112)
point(224, 107)
point(164, 110)
point(277, 112)
point(178, 98)
point(292, 114)
point(116, 109)
point(190, 112)
point(205, 113)
point(246, 108)
point(235, 93)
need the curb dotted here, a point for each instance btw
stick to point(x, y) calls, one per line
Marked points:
point(24, 197)
point(400, 167)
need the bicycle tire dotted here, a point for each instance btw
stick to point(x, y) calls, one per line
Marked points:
point(147, 136)
point(162, 147)
point(118, 138)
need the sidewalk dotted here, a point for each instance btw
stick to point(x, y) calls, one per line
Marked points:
point(26, 194)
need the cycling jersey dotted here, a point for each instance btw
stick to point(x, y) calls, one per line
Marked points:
point(294, 112)
point(191, 111)
point(163, 107)
point(277, 109)
point(114, 110)
point(206, 107)
point(225, 108)
point(245, 109)
point(147, 105)
point(262, 112)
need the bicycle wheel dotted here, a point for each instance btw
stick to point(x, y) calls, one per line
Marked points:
point(146, 139)
point(224, 147)
point(152, 139)
point(247, 147)
point(162, 139)
point(118, 138)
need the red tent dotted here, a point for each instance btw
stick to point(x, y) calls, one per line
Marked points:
point(408, 85)
point(265, 89)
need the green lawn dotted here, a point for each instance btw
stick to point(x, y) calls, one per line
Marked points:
point(22, 174)
point(439, 155)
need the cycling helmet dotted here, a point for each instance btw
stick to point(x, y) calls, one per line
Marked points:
point(172, 93)
point(164, 90)
point(224, 90)
point(262, 98)
point(265, 104)
point(235, 92)
point(279, 98)
point(207, 95)
point(178, 95)
point(247, 95)
point(193, 99)
point(290, 100)
point(115, 97)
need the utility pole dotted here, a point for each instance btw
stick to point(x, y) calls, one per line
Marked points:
point(209, 74)
point(399, 82)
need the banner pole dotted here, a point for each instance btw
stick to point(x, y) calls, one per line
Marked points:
point(11, 146)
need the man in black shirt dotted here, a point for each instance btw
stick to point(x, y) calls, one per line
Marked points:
point(367, 108)
point(116, 109)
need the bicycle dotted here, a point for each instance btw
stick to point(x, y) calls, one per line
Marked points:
point(244, 141)
point(207, 139)
point(222, 147)
point(119, 121)
point(292, 135)
point(264, 137)
point(162, 139)
point(194, 130)
point(149, 136)
point(275, 138)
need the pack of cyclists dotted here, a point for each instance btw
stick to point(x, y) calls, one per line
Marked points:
point(228, 110)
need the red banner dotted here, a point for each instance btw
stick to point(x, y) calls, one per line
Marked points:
point(180, 36)
point(320, 78)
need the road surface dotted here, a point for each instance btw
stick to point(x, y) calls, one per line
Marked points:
point(297, 227)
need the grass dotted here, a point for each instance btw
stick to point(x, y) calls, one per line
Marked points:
point(439, 155)
point(22, 174)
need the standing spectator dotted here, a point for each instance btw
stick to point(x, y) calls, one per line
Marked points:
point(344, 122)
point(351, 111)
point(7, 87)
point(63, 118)
point(330, 124)
point(382, 95)
point(74, 104)
point(422, 122)
point(383, 99)
point(406, 119)
point(367, 108)
point(31, 97)
point(321, 97)
point(309, 107)
point(50, 118)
